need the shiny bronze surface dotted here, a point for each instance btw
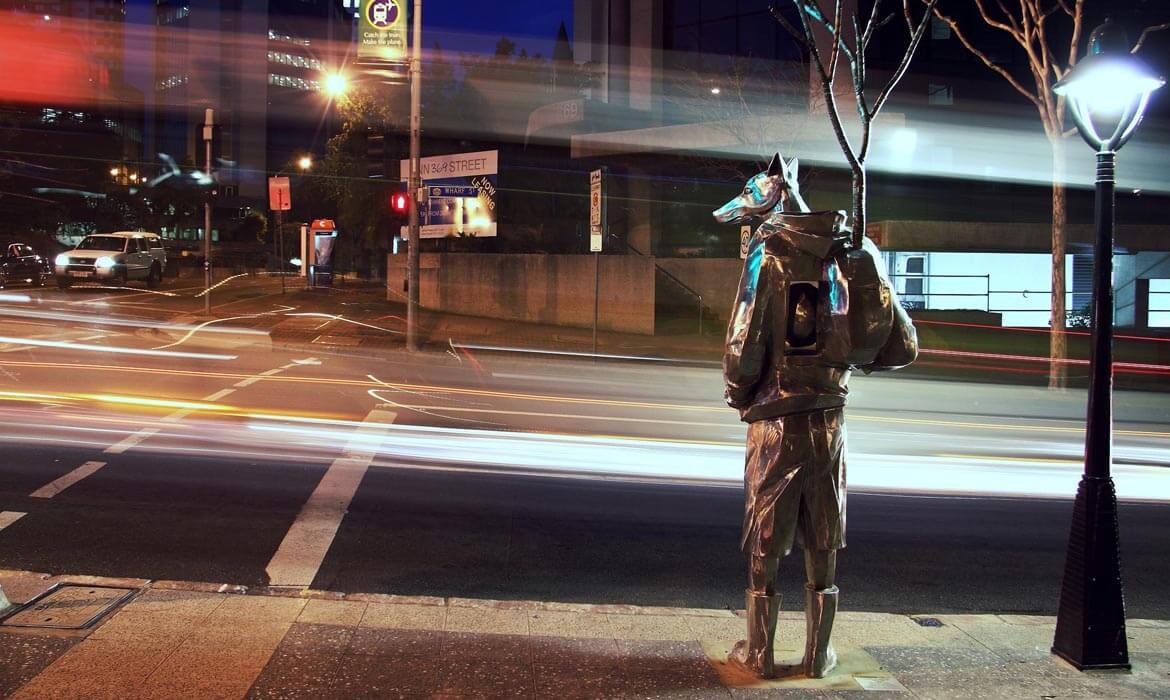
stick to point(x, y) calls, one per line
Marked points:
point(811, 309)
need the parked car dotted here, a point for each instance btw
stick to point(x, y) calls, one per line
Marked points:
point(22, 264)
point(113, 257)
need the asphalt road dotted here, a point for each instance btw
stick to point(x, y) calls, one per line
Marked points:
point(223, 458)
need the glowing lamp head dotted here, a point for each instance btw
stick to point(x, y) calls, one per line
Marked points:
point(1108, 90)
point(335, 85)
point(399, 203)
point(304, 162)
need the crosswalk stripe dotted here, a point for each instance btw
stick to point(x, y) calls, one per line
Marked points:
point(58, 485)
point(300, 554)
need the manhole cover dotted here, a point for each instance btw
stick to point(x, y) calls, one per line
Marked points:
point(68, 606)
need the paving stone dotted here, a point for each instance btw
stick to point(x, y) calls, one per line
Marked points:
point(377, 677)
point(569, 624)
point(229, 665)
point(306, 639)
point(470, 677)
point(402, 616)
point(719, 628)
point(23, 656)
point(95, 669)
point(293, 676)
point(254, 607)
point(502, 647)
point(188, 604)
point(499, 621)
point(155, 628)
point(649, 627)
point(395, 643)
point(333, 612)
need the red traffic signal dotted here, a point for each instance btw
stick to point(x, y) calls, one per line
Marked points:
point(399, 203)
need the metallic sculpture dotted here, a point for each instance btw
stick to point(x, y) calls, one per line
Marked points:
point(811, 308)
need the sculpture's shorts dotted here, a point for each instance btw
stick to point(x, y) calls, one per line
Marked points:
point(794, 483)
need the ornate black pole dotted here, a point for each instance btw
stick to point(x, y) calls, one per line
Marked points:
point(1090, 622)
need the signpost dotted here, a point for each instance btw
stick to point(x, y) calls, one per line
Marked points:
point(279, 201)
point(459, 194)
point(597, 224)
point(382, 31)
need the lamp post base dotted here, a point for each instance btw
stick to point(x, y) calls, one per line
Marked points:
point(1090, 622)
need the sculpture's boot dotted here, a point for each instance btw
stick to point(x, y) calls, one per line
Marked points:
point(820, 607)
point(755, 654)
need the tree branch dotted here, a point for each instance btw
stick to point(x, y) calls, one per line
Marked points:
point(915, 38)
point(1146, 32)
point(991, 22)
point(985, 59)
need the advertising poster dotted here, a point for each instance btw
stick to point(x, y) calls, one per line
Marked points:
point(461, 194)
point(382, 30)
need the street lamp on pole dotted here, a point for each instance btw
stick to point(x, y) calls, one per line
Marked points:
point(1107, 93)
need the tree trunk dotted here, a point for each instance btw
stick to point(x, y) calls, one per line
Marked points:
point(1058, 344)
point(859, 214)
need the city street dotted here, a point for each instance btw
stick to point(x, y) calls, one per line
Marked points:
point(136, 445)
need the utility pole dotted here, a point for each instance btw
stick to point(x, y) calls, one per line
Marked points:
point(208, 122)
point(415, 181)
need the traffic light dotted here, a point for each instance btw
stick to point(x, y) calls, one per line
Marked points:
point(375, 153)
point(399, 202)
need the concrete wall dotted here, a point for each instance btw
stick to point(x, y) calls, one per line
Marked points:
point(717, 279)
point(552, 289)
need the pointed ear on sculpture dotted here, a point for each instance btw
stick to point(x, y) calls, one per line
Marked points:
point(792, 170)
point(776, 167)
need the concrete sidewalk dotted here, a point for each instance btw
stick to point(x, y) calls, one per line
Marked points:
point(189, 640)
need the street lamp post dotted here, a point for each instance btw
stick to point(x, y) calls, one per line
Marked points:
point(208, 134)
point(412, 257)
point(1107, 93)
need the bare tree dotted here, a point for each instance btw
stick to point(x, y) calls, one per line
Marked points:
point(1030, 25)
point(852, 45)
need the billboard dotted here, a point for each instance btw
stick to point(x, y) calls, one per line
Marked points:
point(461, 194)
point(382, 30)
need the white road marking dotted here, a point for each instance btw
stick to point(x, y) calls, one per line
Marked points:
point(8, 517)
point(219, 395)
point(117, 349)
point(130, 441)
point(57, 486)
point(304, 547)
point(252, 380)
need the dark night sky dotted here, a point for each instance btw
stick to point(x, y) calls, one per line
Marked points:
point(471, 26)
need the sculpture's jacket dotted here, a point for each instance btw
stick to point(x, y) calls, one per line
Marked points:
point(810, 310)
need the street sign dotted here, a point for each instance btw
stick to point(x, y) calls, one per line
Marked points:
point(595, 198)
point(279, 194)
point(595, 237)
point(382, 30)
point(745, 239)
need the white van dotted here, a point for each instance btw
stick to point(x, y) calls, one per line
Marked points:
point(115, 258)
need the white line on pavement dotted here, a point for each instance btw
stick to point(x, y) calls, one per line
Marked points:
point(57, 486)
point(219, 395)
point(8, 517)
point(130, 441)
point(300, 555)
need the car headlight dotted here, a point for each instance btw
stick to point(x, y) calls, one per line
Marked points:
point(105, 262)
point(62, 259)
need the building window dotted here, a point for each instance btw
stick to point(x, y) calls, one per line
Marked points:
point(172, 81)
point(293, 82)
point(939, 30)
point(288, 59)
point(914, 266)
point(285, 38)
point(940, 94)
point(914, 287)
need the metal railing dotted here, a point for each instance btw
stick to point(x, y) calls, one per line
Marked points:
point(683, 285)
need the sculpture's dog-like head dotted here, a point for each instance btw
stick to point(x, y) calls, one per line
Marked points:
point(762, 193)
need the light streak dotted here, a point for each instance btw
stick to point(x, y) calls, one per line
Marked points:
point(206, 324)
point(584, 355)
point(1042, 331)
point(335, 317)
point(1124, 366)
point(158, 403)
point(83, 347)
point(17, 298)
